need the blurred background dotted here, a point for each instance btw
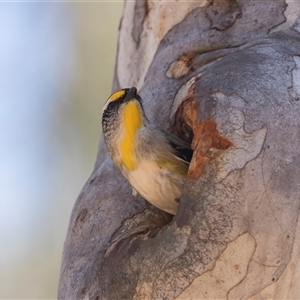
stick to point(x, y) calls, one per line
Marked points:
point(56, 69)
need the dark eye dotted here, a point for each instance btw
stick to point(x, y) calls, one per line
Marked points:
point(112, 107)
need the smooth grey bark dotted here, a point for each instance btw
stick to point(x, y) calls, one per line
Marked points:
point(225, 77)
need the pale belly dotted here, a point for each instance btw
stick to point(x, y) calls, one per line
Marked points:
point(157, 186)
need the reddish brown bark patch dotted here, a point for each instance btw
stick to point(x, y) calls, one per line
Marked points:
point(204, 137)
point(206, 143)
point(181, 66)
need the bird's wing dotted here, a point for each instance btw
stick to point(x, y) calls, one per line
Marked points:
point(181, 149)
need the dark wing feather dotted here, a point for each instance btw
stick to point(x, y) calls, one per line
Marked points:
point(181, 149)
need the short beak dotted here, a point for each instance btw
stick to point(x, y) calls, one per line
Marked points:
point(130, 94)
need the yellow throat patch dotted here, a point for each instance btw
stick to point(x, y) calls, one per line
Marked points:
point(132, 117)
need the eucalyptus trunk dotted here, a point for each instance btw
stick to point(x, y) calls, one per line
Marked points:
point(223, 75)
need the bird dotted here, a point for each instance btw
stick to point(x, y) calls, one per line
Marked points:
point(154, 161)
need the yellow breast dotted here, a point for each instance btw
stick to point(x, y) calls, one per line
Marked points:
point(132, 119)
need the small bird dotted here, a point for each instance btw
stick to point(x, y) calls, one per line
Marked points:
point(154, 161)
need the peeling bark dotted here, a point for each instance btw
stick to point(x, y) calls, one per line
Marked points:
point(224, 76)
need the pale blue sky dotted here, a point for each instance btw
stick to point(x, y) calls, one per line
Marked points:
point(43, 159)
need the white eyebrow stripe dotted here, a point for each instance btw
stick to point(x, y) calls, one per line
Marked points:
point(108, 101)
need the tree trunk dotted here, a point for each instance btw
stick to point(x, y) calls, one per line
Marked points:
point(223, 75)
